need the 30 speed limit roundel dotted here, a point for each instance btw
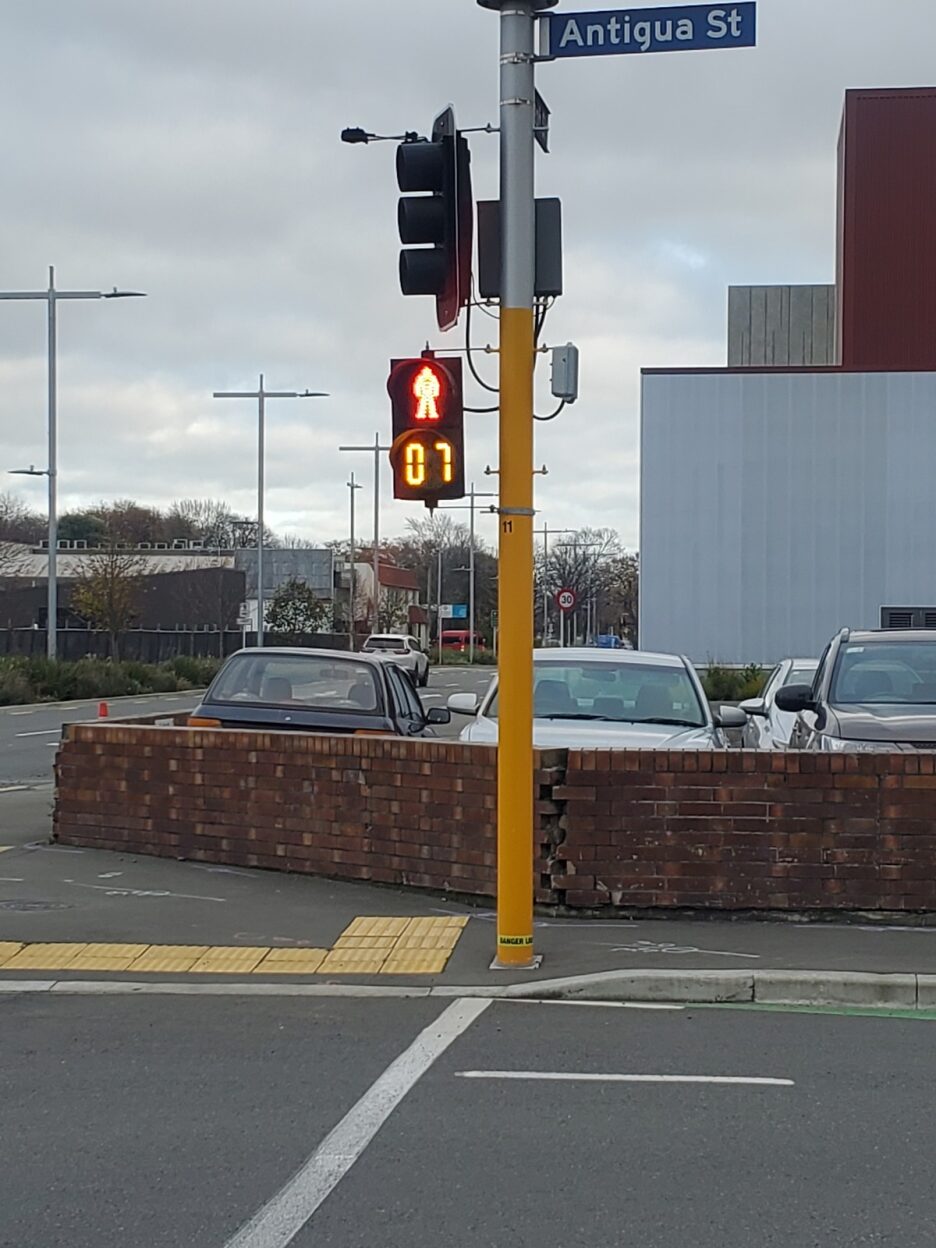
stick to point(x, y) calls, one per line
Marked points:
point(566, 599)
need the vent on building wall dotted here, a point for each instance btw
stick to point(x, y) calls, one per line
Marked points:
point(908, 617)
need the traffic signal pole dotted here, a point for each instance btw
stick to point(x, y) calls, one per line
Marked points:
point(515, 545)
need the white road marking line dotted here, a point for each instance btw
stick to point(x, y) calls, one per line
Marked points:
point(12, 879)
point(22, 712)
point(279, 1221)
point(581, 1077)
point(14, 788)
point(41, 732)
point(117, 891)
point(594, 1005)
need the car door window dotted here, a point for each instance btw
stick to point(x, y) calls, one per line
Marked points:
point(407, 707)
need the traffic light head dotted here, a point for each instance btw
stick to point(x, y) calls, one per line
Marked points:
point(428, 429)
point(435, 218)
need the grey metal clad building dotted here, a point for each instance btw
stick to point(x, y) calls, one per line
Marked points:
point(779, 506)
point(770, 326)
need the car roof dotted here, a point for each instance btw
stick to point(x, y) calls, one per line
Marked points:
point(338, 656)
point(892, 634)
point(597, 655)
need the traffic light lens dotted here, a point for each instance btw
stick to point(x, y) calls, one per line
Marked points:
point(427, 389)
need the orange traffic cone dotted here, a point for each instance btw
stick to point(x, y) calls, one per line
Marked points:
point(103, 710)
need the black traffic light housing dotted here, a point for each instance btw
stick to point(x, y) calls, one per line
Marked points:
point(436, 217)
point(428, 451)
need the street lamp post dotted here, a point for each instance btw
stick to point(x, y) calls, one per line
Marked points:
point(376, 450)
point(261, 395)
point(52, 297)
point(473, 494)
point(353, 487)
point(546, 531)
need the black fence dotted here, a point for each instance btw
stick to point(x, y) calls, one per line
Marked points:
point(146, 646)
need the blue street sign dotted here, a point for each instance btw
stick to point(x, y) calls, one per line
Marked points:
point(615, 32)
point(460, 611)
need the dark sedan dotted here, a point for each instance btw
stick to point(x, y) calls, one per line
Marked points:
point(314, 691)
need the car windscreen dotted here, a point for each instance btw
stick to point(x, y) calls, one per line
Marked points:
point(899, 673)
point(801, 675)
point(309, 682)
point(626, 693)
point(385, 643)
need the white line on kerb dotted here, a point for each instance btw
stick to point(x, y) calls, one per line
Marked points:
point(279, 1221)
point(580, 1077)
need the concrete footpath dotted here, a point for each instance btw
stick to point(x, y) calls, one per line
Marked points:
point(72, 916)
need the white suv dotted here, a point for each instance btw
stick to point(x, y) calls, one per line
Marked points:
point(402, 650)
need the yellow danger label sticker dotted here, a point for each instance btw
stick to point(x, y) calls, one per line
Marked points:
point(514, 941)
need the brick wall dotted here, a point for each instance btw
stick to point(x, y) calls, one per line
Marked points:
point(416, 813)
point(747, 831)
point(615, 831)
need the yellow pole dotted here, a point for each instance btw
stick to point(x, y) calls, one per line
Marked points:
point(515, 658)
point(515, 587)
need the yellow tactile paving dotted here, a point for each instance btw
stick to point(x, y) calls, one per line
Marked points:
point(168, 959)
point(44, 957)
point(353, 962)
point(291, 962)
point(229, 960)
point(163, 965)
point(376, 927)
point(415, 962)
point(116, 951)
point(443, 940)
point(370, 945)
point(8, 948)
point(84, 963)
point(367, 942)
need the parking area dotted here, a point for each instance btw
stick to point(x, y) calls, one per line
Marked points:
point(355, 1123)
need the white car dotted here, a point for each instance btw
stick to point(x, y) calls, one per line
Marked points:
point(767, 727)
point(609, 699)
point(404, 651)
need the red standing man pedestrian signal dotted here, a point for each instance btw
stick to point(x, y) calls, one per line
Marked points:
point(426, 390)
point(428, 448)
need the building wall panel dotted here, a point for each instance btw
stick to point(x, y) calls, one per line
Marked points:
point(887, 230)
point(778, 507)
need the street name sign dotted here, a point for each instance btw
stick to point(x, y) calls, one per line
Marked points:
point(616, 32)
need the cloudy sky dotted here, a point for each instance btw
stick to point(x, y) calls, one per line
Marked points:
point(189, 149)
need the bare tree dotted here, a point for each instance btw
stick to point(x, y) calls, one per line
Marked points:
point(393, 611)
point(107, 589)
point(14, 559)
point(18, 523)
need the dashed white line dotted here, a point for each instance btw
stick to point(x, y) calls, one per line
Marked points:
point(14, 788)
point(281, 1220)
point(41, 732)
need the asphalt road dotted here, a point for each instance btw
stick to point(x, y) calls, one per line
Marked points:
point(29, 735)
point(174, 1122)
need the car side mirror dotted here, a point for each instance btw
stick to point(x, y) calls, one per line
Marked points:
point(464, 703)
point(730, 717)
point(754, 706)
point(795, 698)
point(438, 715)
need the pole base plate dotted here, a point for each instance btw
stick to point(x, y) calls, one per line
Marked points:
point(497, 965)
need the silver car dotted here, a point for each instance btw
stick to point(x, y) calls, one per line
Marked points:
point(609, 699)
point(768, 727)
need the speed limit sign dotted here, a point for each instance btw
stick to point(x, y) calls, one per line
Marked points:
point(566, 600)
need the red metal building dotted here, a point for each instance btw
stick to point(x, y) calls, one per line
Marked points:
point(887, 230)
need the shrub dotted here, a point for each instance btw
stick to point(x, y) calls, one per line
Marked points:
point(725, 684)
point(26, 680)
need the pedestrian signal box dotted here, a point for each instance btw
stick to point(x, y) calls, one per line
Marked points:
point(428, 451)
